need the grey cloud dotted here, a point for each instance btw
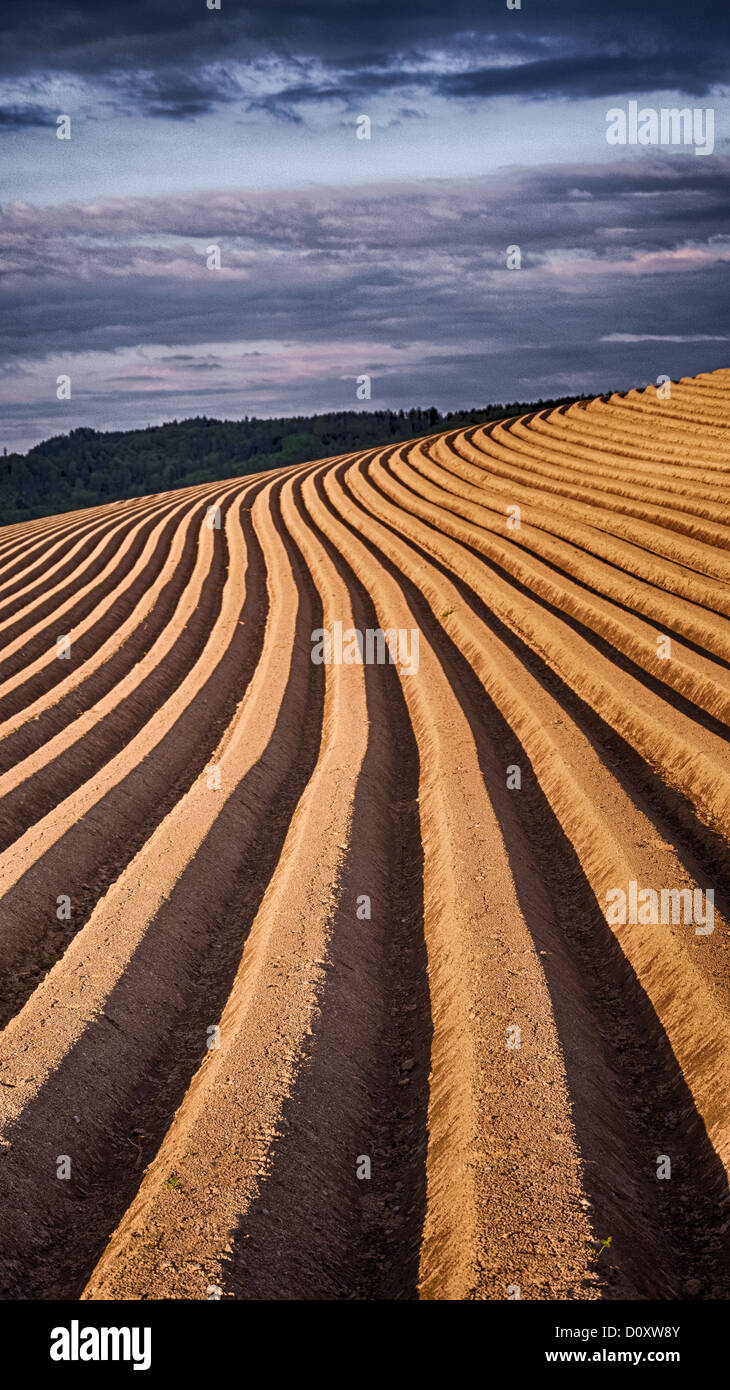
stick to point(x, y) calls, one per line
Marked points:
point(412, 278)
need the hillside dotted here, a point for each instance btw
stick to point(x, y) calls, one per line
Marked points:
point(311, 969)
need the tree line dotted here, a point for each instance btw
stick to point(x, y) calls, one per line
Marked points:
point(88, 467)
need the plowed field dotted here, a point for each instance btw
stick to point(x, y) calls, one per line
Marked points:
point(308, 981)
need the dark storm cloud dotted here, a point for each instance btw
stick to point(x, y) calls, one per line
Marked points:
point(79, 34)
point(156, 53)
point(176, 94)
point(21, 117)
point(592, 75)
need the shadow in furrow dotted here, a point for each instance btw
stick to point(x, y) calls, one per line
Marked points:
point(93, 851)
point(80, 609)
point(552, 501)
point(630, 1099)
point(37, 795)
point(316, 1230)
point(42, 727)
point(111, 1100)
point(655, 514)
point(563, 573)
point(35, 582)
point(704, 853)
point(682, 703)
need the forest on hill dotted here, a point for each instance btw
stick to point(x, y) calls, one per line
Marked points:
point(88, 467)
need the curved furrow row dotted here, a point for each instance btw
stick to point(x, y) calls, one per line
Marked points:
point(626, 436)
point(692, 759)
point(128, 979)
point(85, 554)
point(309, 828)
point(26, 540)
point(691, 543)
point(622, 448)
point(75, 845)
point(86, 742)
point(565, 549)
point(582, 797)
point(691, 673)
point(41, 702)
point(562, 461)
point(224, 1127)
point(628, 551)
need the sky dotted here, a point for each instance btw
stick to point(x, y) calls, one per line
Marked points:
point(341, 257)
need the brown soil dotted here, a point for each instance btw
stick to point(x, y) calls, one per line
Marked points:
point(217, 808)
